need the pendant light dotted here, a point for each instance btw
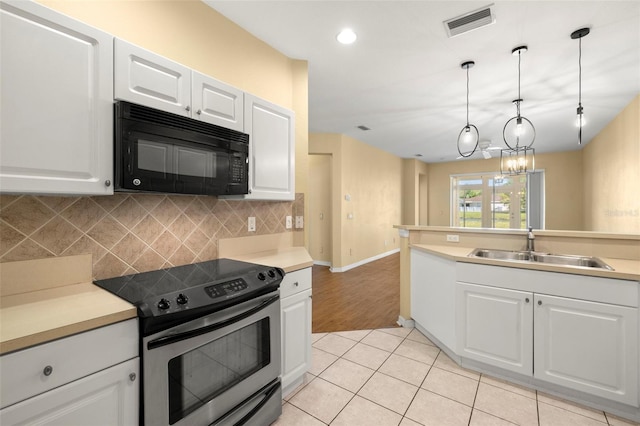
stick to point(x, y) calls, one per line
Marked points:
point(578, 34)
point(518, 134)
point(469, 135)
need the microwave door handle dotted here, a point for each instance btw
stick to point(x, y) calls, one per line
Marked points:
point(174, 338)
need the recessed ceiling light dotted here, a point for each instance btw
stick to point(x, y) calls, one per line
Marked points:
point(346, 36)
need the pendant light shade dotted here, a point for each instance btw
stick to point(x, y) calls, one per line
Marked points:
point(519, 131)
point(580, 121)
point(517, 161)
point(469, 135)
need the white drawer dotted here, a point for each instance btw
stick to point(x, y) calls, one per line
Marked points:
point(295, 282)
point(70, 358)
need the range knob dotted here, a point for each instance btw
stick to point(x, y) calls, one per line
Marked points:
point(164, 304)
point(262, 276)
point(272, 273)
point(182, 299)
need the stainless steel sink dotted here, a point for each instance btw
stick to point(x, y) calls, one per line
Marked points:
point(554, 259)
point(501, 254)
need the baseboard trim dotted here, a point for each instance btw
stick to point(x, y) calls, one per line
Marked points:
point(364, 261)
point(322, 263)
point(406, 323)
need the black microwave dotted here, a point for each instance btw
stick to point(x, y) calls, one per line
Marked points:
point(156, 151)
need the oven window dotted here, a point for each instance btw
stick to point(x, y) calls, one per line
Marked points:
point(166, 158)
point(200, 375)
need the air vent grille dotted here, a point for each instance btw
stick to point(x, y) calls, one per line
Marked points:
point(161, 118)
point(470, 21)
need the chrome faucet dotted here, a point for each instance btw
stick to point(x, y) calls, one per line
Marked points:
point(531, 241)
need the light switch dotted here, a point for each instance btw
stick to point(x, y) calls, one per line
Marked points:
point(288, 223)
point(251, 224)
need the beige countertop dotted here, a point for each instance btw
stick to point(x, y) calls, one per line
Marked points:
point(623, 269)
point(271, 250)
point(290, 258)
point(47, 299)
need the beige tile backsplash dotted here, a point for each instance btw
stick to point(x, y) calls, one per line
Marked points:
point(127, 233)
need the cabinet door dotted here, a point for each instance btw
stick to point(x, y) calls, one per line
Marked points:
point(144, 78)
point(495, 326)
point(109, 397)
point(271, 150)
point(433, 296)
point(587, 346)
point(216, 102)
point(296, 337)
point(56, 105)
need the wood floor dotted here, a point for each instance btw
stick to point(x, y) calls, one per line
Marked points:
point(365, 297)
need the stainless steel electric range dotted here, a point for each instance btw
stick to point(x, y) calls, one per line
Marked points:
point(210, 342)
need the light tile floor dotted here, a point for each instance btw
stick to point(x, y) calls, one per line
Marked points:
point(396, 376)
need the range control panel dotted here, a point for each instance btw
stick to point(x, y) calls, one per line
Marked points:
point(202, 295)
point(227, 288)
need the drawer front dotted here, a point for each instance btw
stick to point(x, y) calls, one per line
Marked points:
point(295, 282)
point(31, 371)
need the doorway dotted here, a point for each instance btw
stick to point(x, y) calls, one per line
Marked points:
point(320, 223)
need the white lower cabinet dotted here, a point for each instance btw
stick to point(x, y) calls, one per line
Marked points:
point(583, 345)
point(90, 378)
point(109, 397)
point(295, 292)
point(495, 326)
point(587, 346)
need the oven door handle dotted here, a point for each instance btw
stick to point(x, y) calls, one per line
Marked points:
point(167, 340)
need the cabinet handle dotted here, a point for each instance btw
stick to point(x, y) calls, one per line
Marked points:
point(107, 183)
point(199, 112)
point(539, 302)
point(526, 300)
point(47, 370)
point(187, 108)
point(132, 377)
point(296, 284)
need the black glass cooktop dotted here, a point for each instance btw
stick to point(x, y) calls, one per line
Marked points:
point(183, 292)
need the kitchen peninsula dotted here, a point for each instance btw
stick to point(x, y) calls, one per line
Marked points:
point(570, 331)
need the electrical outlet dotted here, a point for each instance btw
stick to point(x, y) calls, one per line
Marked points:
point(299, 221)
point(288, 223)
point(251, 224)
point(453, 238)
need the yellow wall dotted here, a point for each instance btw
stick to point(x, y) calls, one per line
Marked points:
point(413, 202)
point(612, 175)
point(563, 188)
point(373, 180)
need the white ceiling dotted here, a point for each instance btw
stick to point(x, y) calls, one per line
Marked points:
point(402, 77)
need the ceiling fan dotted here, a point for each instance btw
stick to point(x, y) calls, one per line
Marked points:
point(485, 147)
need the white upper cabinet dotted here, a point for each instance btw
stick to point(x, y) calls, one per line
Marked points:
point(56, 105)
point(144, 78)
point(216, 102)
point(271, 150)
point(148, 79)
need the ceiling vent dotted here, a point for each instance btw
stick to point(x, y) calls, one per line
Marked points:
point(470, 21)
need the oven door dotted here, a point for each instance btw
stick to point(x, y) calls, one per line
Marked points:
point(196, 373)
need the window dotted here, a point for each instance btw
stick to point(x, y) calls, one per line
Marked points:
point(488, 201)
